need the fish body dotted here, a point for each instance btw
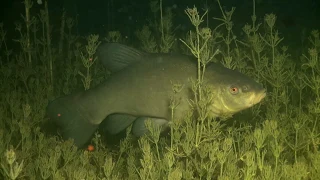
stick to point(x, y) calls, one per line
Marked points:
point(142, 86)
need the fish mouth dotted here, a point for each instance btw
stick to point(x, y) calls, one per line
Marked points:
point(258, 98)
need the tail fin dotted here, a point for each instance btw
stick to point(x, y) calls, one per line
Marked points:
point(67, 115)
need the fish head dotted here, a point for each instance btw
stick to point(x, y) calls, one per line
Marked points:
point(233, 92)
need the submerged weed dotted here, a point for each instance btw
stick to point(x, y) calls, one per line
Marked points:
point(282, 143)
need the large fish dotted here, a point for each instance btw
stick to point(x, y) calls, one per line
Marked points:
point(140, 87)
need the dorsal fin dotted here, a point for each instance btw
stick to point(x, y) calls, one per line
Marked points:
point(115, 56)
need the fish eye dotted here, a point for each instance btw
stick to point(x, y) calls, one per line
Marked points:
point(234, 90)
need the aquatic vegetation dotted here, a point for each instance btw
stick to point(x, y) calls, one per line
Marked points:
point(277, 139)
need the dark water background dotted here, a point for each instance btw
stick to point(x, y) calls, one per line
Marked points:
point(101, 16)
